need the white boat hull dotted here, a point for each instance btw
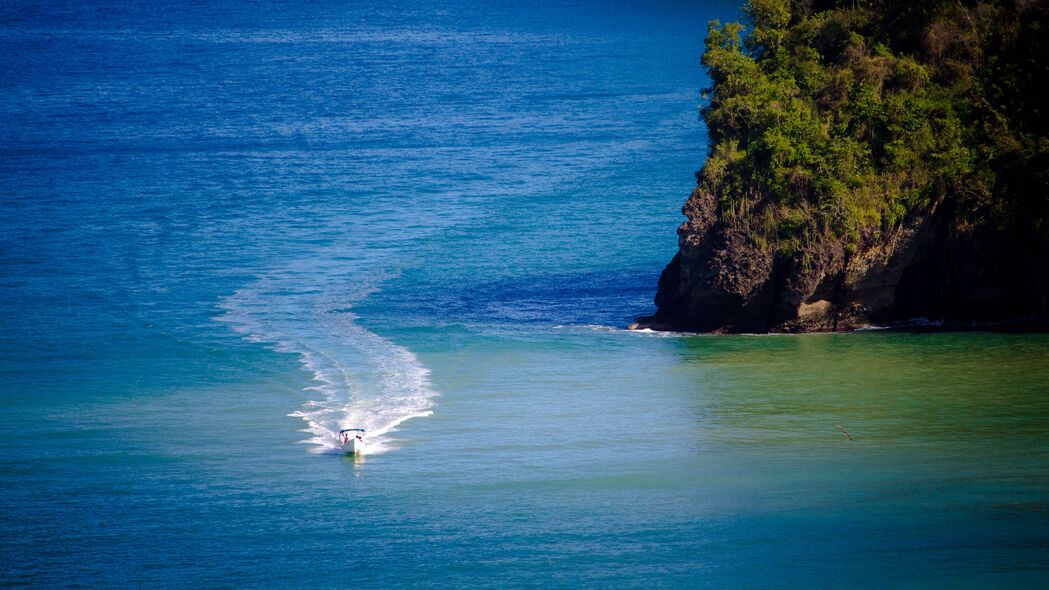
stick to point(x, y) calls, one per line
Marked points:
point(353, 447)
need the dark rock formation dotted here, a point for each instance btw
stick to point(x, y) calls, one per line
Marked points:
point(939, 265)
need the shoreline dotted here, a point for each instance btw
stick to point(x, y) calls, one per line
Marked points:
point(915, 325)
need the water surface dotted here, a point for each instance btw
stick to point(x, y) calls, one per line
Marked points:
point(227, 231)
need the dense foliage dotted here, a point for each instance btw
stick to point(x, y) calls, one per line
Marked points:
point(842, 118)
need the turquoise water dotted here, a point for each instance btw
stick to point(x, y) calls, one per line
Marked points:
point(228, 231)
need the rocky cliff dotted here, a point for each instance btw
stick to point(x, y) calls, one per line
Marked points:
point(870, 163)
point(936, 266)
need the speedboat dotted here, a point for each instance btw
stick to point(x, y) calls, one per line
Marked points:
point(352, 440)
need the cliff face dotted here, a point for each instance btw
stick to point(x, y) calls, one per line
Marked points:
point(937, 265)
point(870, 163)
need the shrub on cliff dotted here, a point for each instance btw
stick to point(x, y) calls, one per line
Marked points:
point(839, 119)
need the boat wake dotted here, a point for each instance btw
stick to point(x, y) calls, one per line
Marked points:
point(362, 380)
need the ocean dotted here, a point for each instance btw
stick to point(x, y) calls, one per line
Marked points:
point(228, 230)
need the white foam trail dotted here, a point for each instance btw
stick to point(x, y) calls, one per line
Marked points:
point(362, 379)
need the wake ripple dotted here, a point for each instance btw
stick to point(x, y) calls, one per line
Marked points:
point(362, 380)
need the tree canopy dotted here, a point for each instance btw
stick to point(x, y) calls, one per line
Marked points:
point(842, 118)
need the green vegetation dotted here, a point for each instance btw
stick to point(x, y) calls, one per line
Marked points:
point(842, 118)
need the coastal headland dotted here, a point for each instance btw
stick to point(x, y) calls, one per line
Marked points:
point(868, 164)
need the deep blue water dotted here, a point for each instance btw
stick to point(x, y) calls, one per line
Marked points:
point(228, 230)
